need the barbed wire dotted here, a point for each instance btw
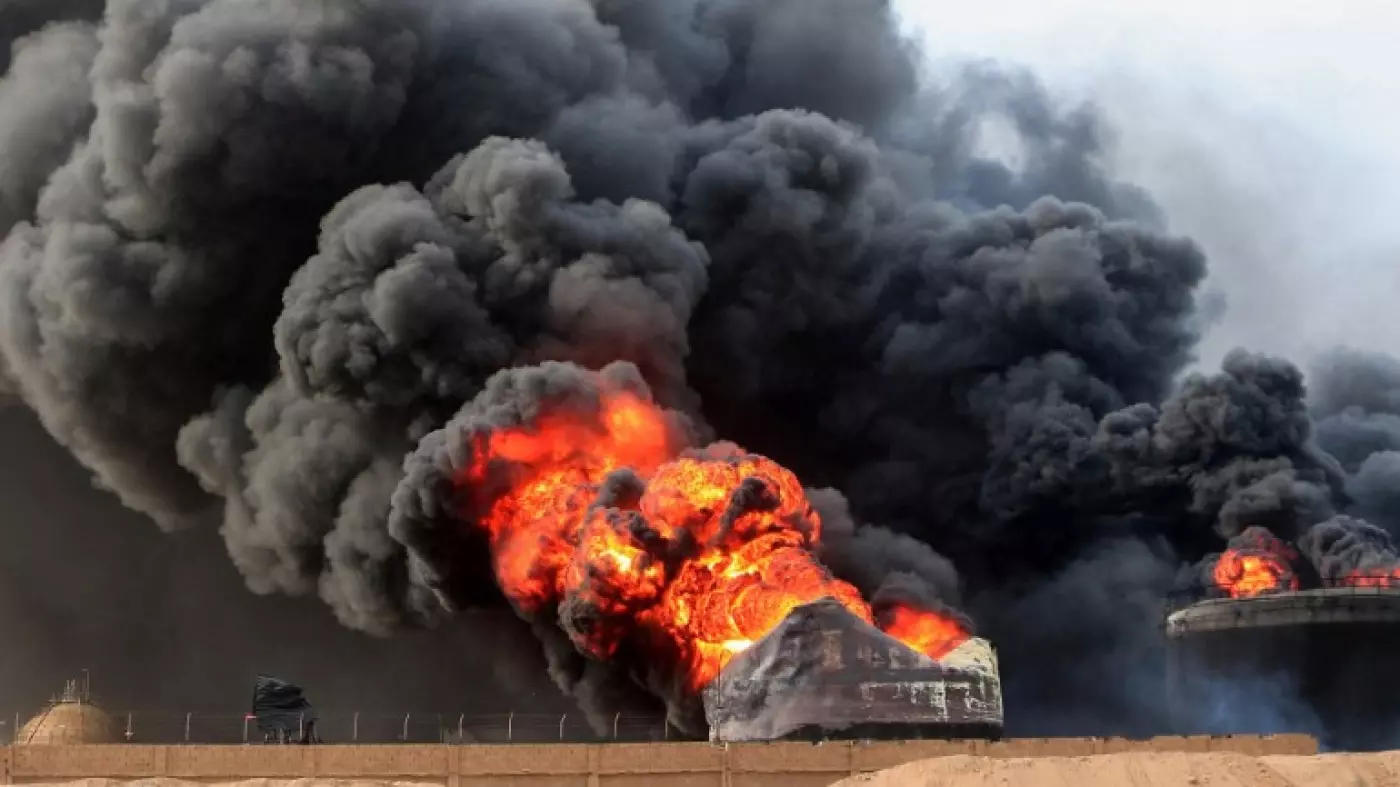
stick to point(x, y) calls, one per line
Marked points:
point(354, 727)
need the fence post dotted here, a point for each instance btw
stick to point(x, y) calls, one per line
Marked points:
point(461, 728)
point(355, 727)
point(245, 728)
point(301, 725)
point(561, 725)
point(510, 726)
point(130, 733)
point(404, 737)
point(187, 727)
point(616, 718)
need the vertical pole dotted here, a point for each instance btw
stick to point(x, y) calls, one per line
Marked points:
point(301, 725)
point(461, 731)
point(130, 733)
point(561, 725)
point(187, 727)
point(404, 737)
point(616, 718)
point(510, 726)
point(355, 728)
point(245, 728)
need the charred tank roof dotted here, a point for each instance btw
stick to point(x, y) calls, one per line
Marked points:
point(1289, 608)
point(824, 672)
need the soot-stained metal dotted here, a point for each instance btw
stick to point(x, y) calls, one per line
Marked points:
point(825, 674)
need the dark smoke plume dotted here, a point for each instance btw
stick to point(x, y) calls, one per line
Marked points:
point(1357, 407)
point(1343, 545)
point(258, 253)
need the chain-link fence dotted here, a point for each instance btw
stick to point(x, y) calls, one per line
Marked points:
point(353, 727)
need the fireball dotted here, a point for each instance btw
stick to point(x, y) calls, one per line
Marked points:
point(1244, 575)
point(710, 554)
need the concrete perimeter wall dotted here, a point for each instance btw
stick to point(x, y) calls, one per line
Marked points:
point(569, 765)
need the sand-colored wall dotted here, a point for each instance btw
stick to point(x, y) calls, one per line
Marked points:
point(566, 765)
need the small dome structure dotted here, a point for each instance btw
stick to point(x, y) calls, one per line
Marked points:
point(69, 719)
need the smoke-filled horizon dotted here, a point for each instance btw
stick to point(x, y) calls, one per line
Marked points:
point(268, 262)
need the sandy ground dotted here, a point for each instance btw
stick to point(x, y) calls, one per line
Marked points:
point(1143, 769)
point(1138, 769)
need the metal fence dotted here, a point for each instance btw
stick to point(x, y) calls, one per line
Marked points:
point(355, 727)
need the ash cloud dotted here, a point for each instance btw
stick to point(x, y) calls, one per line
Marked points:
point(258, 254)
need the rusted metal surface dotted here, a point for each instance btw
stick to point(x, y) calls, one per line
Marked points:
point(824, 673)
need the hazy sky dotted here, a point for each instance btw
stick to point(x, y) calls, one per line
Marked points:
point(1270, 132)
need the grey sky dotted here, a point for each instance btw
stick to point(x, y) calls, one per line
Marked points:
point(1267, 131)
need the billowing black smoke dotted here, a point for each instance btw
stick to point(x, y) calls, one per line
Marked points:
point(259, 253)
point(1334, 496)
point(1357, 407)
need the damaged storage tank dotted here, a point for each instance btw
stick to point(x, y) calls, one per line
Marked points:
point(1315, 661)
point(823, 673)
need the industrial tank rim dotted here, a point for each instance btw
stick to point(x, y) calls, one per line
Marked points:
point(1322, 606)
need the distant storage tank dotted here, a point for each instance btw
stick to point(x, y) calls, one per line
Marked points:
point(1319, 661)
point(69, 719)
point(824, 673)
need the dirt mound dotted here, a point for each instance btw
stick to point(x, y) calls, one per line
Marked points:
point(1143, 769)
point(1135, 769)
point(1340, 770)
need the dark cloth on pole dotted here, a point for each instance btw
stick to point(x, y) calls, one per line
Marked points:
point(279, 706)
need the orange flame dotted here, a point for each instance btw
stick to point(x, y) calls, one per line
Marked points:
point(1373, 578)
point(712, 553)
point(1248, 574)
point(934, 635)
point(535, 523)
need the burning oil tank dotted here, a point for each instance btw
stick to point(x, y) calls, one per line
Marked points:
point(824, 673)
point(1319, 661)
